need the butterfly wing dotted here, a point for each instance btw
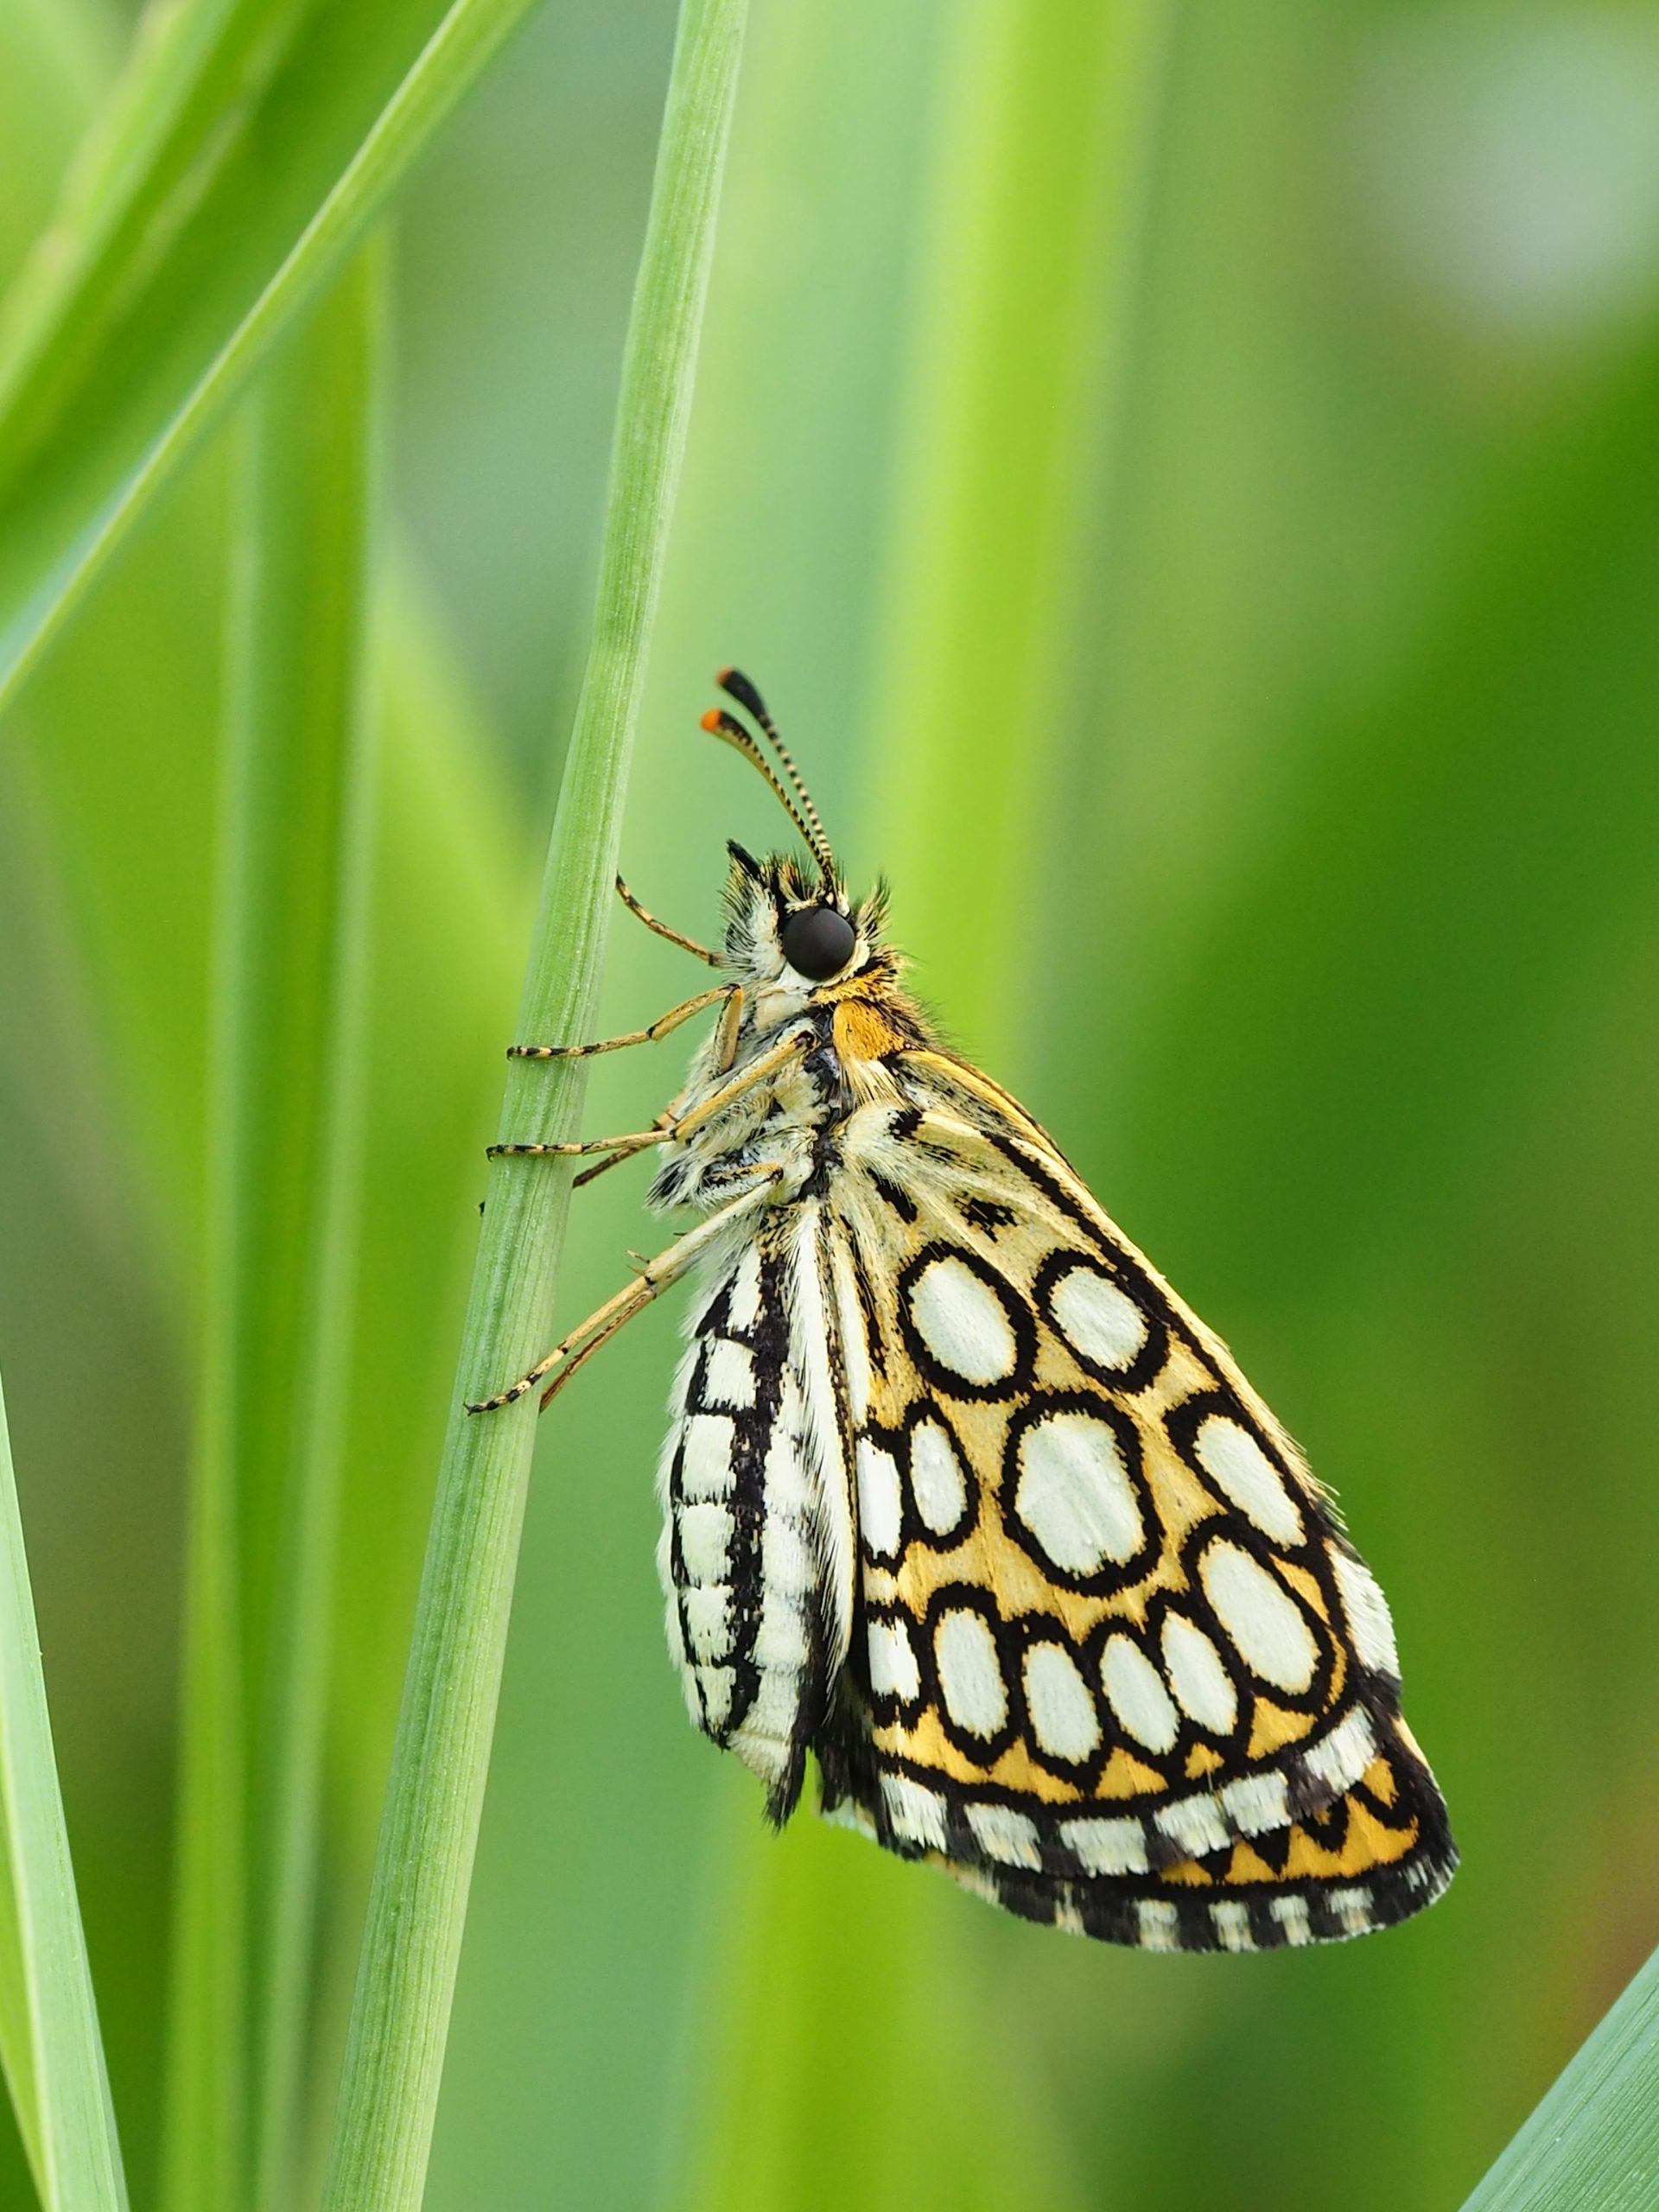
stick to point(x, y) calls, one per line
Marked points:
point(1116, 1662)
point(756, 1551)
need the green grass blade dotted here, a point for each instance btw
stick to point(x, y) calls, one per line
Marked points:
point(435, 1797)
point(1017, 362)
point(454, 894)
point(204, 2133)
point(62, 2091)
point(1591, 2144)
point(17, 2043)
point(285, 1143)
point(248, 152)
point(310, 491)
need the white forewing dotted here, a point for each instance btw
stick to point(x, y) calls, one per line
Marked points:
point(757, 1546)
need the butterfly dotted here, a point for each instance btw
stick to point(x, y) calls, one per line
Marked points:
point(958, 1496)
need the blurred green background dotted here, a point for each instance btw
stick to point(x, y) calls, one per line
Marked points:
point(1188, 479)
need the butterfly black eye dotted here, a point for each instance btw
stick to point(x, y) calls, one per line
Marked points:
point(818, 943)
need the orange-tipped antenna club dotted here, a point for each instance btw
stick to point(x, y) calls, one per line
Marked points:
point(720, 724)
point(736, 685)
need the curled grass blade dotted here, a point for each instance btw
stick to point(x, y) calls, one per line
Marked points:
point(244, 154)
point(434, 1798)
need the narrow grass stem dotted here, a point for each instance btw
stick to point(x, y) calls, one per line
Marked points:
point(69, 2126)
point(435, 1797)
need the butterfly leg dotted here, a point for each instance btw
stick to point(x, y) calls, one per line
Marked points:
point(634, 1141)
point(668, 1126)
point(661, 1125)
point(662, 1026)
point(664, 1123)
point(661, 929)
point(653, 1278)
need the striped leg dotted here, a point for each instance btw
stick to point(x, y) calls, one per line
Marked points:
point(661, 929)
point(654, 1277)
point(663, 1025)
point(664, 1129)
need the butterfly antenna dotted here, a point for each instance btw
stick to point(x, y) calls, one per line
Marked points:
point(736, 685)
point(719, 723)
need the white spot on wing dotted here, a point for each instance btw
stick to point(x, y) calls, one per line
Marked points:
point(961, 1321)
point(706, 1543)
point(1338, 1760)
point(1257, 1804)
point(706, 1456)
point(1198, 1677)
point(1195, 1824)
point(762, 1741)
point(1074, 1493)
point(708, 1693)
point(709, 1621)
point(936, 1477)
point(1006, 1835)
point(1259, 1616)
point(1108, 1846)
point(1160, 1923)
point(743, 1311)
point(1234, 1460)
point(1353, 1908)
point(786, 1560)
point(1063, 1716)
point(1139, 1697)
point(1368, 1614)
point(970, 1674)
point(780, 1642)
point(915, 1812)
point(1097, 1318)
point(787, 1475)
point(729, 1379)
point(1291, 1913)
point(1232, 1924)
point(879, 1507)
point(893, 1671)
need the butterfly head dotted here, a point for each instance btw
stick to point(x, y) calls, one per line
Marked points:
point(791, 930)
point(793, 933)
